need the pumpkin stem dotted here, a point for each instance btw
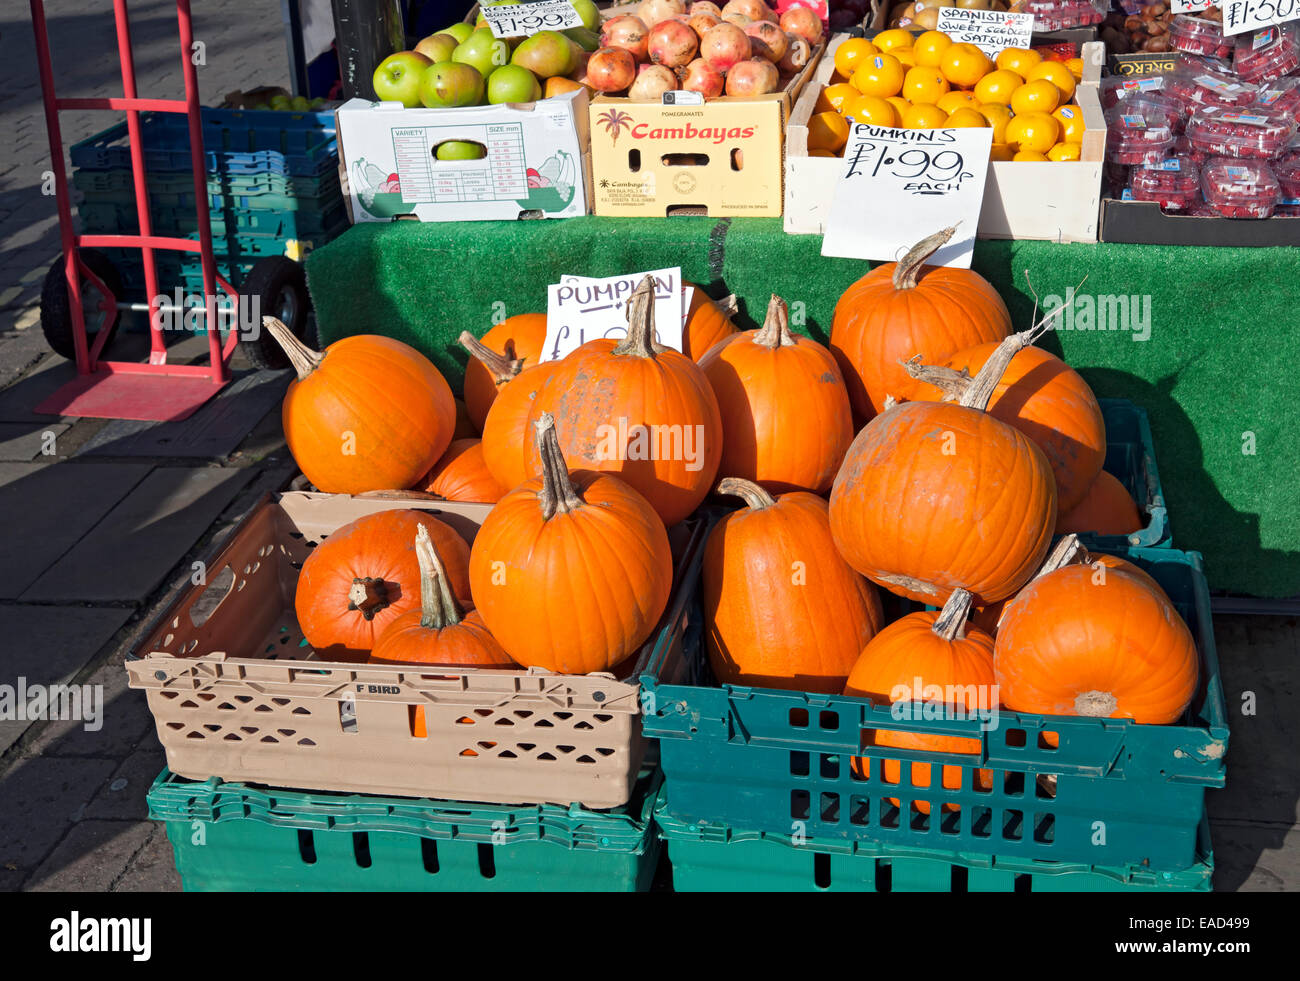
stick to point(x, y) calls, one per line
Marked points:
point(908, 269)
point(640, 322)
point(1098, 704)
point(438, 606)
point(981, 389)
point(368, 595)
point(951, 623)
point(952, 383)
point(303, 358)
point(775, 331)
point(1066, 552)
point(755, 496)
point(557, 495)
point(502, 367)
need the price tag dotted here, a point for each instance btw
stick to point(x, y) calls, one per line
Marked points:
point(1240, 16)
point(1189, 6)
point(526, 19)
point(989, 30)
point(581, 309)
point(899, 185)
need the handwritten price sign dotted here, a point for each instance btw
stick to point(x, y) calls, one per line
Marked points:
point(900, 184)
point(1240, 16)
point(989, 30)
point(526, 19)
point(581, 309)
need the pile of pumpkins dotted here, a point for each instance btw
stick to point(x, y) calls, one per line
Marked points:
point(929, 451)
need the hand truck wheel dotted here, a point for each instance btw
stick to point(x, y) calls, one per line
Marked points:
point(277, 286)
point(97, 309)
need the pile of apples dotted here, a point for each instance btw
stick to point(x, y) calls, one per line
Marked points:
point(740, 49)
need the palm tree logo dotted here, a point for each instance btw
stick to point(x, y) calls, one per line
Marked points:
point(614, 120)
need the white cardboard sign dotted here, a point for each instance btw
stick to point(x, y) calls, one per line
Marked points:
point(989, 30)
point(526, 19)
point(899, 185)
point(581, 309)
point(1240, 16)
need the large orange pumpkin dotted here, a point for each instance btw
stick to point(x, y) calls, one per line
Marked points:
point(504, 351)
point(1106, 509)
point(781, 608)
point(506, 432)
point(785, 411)
point(366, 574)
point(367, 413)
point(570, 572)
point(707, 323)
point(461, 475)
point(1046, 400)
point(946, 656)
point(899, 310)
point(934, 496)
point(1102, 643)
point(639, 411)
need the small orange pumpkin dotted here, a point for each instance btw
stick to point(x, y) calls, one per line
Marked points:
point(707, 323)
point(1106, 509)
point(506, 433)
point(461, 475)
point(505, 350)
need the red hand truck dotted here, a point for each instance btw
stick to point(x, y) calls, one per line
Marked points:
point(154, 390)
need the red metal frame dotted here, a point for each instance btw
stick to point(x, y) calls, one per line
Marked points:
point(102, 388)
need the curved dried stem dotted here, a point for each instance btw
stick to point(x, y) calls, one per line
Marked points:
point(502, 367)
point(438, 606)
point(775, 331)
point(753, 494)
point(952, 383)
point(951, 623)
point(303, 358)
point(908, 270)
point(640, 322)
point(557, 495)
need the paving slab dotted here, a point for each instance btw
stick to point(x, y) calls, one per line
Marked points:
point(127, 554)
point(19, 351)
point(213, 432)
point(92, 857)
point(48, 645)
point(126, 715)
point(33, 388)
point(152, 868)
point(122, 796)
point(26, 441)
point(51, 507)
point(1254, 859)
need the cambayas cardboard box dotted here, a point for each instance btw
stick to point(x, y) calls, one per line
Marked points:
point(533, 167)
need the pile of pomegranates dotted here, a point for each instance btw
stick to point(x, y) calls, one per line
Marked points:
point(740, 49)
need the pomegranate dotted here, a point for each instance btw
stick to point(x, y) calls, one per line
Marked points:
point(740, 20)
point(804, 22)
point(724, 46)
point(753, 77)
point(611, 70)
point(653, 11)
point(580, 66)
point(772, 37)
point(702, 77)
point(652, 81)
point(672, 43)
point(626, 32)
point(705, 7)
point(700, 23)
point(796, 55)
point(753, 9)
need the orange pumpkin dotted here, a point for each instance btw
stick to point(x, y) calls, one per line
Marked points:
point(707, 323)
point(461, 475)
point(464, 428)
point(366, 574)
point(367, 413)
point(506, 433)
point(639, 411)
point(1106, 509)
point(781, 608)
point(570, 572)
point(1046, 400)
point(946, 656)
point(785, 411)
point(899, 310)
point(1107, 645)
point(504, 351)
point(934, 496)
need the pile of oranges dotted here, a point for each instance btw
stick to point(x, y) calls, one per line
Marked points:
point(927, 82)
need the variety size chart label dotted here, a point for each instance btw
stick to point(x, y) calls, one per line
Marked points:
point(581, 309)
point(1240, 16)
point(989, 30)
point(526, 19)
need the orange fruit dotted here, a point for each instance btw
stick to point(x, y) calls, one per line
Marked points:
point(1071, 120)
point(880, 75)
point(1039, 95)
point(905, 56)
point(1057, 74)
point(923, 115)
point(900, 105)
point(827, 131)
point(929, 46)
point(895, 38)
point(1018, 60)
point(852, 53)
point(822, 153)
point(967, 118)
point(1034, 131)
point(1066, 151)
point(834, 96)
point(998, 86)
point(950, 102)
point(1029, 156)
point(964, 64)
point(998, 116)
point(871, 109)
point(924, 85)
point(1002, 151)
point(1076, 68)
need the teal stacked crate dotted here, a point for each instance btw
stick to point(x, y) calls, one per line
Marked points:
point(1131, 457)
point(240, 837)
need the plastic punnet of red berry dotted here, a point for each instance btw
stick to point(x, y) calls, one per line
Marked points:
point(1114, 89)
point(1140, 137)
point(1059, 15)
point(1195, 35)
point(1287, 211)
point(1282, 94)
point(1256, 132)
point(1286, 169)
point(1176, 111)
point(1174, 183)
point(1267, 54)
point(1240, 188)
point(1201, 82)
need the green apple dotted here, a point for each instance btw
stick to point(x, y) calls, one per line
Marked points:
point(280, 103)
point(299, 103)
point(460, 150)
point(397, 79)
point(589, 41)
point(512, 83)
point(589, 14)
point(482, 51)
point(450, 85)
point(459, 30)
point(437, 47)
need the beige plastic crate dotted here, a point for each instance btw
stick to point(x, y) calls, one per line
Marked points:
point(241, 696)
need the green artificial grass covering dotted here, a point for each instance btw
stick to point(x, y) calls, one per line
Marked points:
point(1216, 375)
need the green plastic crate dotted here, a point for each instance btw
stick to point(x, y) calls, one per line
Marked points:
point(239, 837)
point(1131, 457)
point(714, 857)
point(1112, 793)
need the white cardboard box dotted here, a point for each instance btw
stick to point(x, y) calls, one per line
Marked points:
point(1058, 202)
point(536, 163)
